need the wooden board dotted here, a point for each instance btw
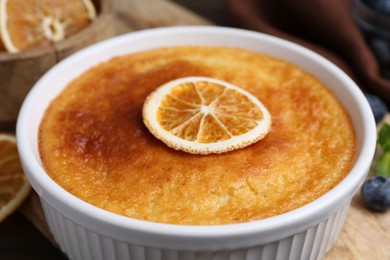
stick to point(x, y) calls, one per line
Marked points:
point(366, 235)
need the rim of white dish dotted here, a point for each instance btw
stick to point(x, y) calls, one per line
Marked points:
point(156, 234)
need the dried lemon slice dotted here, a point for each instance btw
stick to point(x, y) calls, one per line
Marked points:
point(14, 186)
point(202, 115)
point(31, 23)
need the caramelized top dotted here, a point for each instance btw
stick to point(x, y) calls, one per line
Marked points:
point(94, 144)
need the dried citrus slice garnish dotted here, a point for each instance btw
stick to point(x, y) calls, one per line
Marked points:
point(202, 115)
point(14, 186)
point(31, 23)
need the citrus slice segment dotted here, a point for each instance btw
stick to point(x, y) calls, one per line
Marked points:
point(32, 23)
point(203, 115)
point(14, 186)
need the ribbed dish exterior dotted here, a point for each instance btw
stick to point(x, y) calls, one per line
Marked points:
point(80, 243)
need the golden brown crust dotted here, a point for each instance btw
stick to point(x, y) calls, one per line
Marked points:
point(93, 142)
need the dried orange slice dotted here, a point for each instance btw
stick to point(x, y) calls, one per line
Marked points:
point(202, 115)
point(14, 186)
point(31, 23)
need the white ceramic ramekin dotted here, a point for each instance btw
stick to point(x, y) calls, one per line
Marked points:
point(86, 232)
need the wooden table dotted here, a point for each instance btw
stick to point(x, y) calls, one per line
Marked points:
point(24, 235)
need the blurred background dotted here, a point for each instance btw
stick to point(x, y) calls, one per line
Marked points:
point(19, 239)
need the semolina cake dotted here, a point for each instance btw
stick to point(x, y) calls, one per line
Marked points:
point(93, 142)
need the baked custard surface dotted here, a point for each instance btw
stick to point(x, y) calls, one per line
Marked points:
point(93, 142)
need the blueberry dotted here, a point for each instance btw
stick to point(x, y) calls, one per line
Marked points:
point(378, 107)
point(382, 6)
point(381, 49)
point(376, 193)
